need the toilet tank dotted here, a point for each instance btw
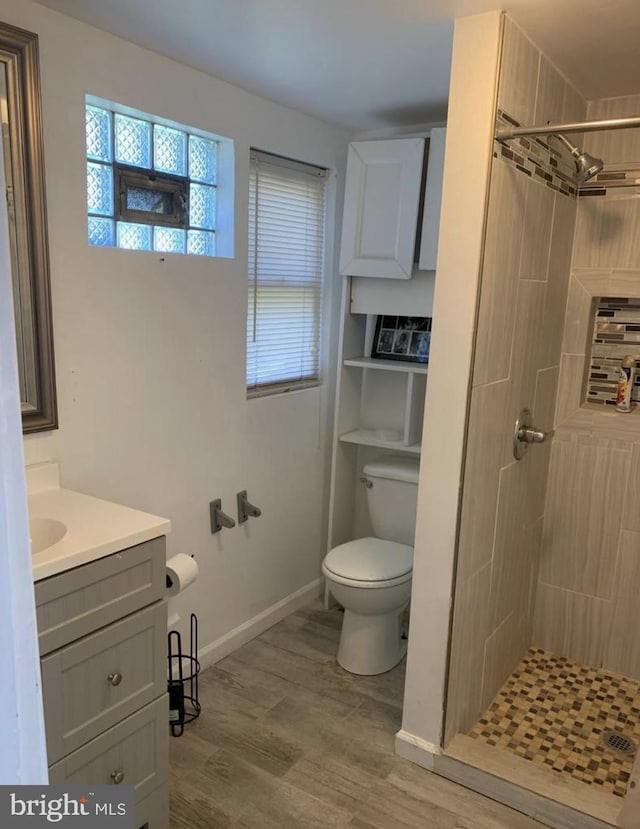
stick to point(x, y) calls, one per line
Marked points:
point(392, 497)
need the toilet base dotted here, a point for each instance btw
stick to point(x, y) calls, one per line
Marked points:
point(372, 645)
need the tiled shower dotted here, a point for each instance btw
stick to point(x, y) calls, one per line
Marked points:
point(545, 656)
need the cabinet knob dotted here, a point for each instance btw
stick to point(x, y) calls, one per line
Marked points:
point(115, 678)
point(117, 776)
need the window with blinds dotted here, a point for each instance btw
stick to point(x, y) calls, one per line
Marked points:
point(286, 266)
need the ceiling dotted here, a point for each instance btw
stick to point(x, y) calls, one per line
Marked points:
point(366, 64)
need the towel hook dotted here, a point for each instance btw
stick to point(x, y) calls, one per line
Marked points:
point(246, 509)
point(219, 519)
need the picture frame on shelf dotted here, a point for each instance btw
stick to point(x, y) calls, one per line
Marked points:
point(402, 338)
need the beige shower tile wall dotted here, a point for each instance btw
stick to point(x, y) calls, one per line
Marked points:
point(585, 498)
point(608, 235)
point(622, 645)
point(619, 146)
point(570, 621)
point(587, 604)
point(525, 276)
point(502, 256)
point(519, 70)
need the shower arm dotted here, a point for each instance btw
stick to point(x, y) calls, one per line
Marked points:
point(505, 133)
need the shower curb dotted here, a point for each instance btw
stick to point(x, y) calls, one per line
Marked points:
point(536, 806)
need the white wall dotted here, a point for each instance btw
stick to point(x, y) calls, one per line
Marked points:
point(150, 354)
point(470, 125)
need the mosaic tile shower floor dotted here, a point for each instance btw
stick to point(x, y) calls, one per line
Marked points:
point(553, 712)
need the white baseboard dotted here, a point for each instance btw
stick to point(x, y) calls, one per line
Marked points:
point(236, 638)
point(416, 750)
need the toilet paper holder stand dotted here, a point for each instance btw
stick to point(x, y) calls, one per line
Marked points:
point(182, 679)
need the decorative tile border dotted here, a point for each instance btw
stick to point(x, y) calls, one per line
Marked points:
point(534, 157)
point(616, 333)
point(621, 182)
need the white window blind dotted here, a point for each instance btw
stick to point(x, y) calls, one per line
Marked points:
point(286, 265)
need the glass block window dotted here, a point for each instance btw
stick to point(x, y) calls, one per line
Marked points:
point(169, 240)
point(134, 237)
point(150, 186)
point(170, 150)
point(132, 141)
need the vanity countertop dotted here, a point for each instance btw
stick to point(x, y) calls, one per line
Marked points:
point(94, 528)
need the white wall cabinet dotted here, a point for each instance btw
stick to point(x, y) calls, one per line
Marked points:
point(432, 201)
point(382, 206)
point(382, 191)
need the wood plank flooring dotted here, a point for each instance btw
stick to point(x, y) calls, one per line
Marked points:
point(288, 740)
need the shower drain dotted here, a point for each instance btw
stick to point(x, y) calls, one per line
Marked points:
point(618, 742)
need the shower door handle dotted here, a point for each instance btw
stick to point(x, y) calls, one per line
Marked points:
point(524, 434)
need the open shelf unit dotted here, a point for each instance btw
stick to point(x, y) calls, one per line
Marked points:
point(388, 260)
point(387, 365)
point(391, 408)
point(379, 405)
point(369, 437)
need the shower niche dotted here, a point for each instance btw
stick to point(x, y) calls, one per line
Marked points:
point(614, 333)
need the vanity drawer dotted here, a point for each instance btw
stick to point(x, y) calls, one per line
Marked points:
point(86, 598)
point(89, 686)
point(136, 747)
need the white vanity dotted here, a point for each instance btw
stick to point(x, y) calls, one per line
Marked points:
point(99, 572)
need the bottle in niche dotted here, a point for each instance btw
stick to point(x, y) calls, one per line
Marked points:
point(625, 383)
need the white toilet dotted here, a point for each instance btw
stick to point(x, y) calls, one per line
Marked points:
point(371, 577)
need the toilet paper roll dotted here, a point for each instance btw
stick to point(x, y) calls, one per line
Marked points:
point(182, 570)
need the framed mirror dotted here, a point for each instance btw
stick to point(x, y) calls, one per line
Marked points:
point(23, 153)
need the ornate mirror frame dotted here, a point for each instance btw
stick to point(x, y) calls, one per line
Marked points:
point(23, 150)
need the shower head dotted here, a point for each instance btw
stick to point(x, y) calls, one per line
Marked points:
point(587, 165)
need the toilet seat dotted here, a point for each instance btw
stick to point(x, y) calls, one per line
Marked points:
point(368, 585)
point(369, 563)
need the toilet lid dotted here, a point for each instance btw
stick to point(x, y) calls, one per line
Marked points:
point(370, 559)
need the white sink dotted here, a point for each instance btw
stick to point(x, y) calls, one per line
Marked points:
point(45, 532)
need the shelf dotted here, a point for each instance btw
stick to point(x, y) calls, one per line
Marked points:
point(387, 365)
point(367, 437)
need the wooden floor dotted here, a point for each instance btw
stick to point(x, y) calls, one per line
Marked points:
point(288, 740)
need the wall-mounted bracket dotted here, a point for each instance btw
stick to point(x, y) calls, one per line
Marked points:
point(219, 519)
point(246, 509)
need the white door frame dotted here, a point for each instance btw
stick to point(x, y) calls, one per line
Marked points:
point(23, 753)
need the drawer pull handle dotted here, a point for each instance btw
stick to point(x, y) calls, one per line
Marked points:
point(115, 678)
point(117, 776)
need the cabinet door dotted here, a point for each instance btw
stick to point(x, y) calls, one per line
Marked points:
point(432, 201)
point(134, 752)
point(94, 683)
point(381, 208)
